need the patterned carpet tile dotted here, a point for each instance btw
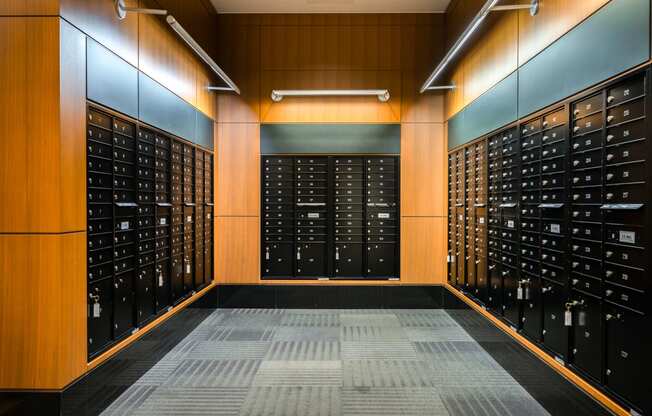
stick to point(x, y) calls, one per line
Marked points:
point(299, 373)
point(214, 373)
point(292, 401)
point(304, 350)
point(378, 350)
point(392, 402)
point(490, 401)
point(168, 401)
point(386, 373)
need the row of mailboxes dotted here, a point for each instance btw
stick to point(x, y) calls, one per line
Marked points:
point(328, 216)
point(142, 195)
point(567, 219)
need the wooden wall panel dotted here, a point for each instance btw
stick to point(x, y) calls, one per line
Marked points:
point(238, 170)
point(206, 100)
point(237, 258)
point(164, 57)
point(423, 250)
point(97, 18)
point(492, 57)
point(37, 170)
point(555, 18)
point(331, 109)
point(43, 335)
point(423, 157)
point(241, 60)
point(29, 7)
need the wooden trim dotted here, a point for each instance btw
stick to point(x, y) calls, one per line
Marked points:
point(539, 353)
point(129, 340)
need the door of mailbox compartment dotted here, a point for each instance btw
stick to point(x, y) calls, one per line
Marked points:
point(555, 332)
point(587, 347)
point(100, 310)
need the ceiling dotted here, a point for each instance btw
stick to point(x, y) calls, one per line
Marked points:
point(330, 6)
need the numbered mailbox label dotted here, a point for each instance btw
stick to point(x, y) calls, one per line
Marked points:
point(555, 228)
point(481, 220)
point(124, 225)
point(627, 237)
point(383, 215)
point(162, 221)
point(313, 215)
point(510, 224)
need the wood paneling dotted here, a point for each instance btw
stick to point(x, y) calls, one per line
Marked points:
point(41, 176)
point(97, 18)
point(206, 100)
point(492, 57)
point(555, 18)
point(423, 160)
point(237, 258)
point(165, 59)
point(42, 310)
point(331, 109)
point(241, 60)
point(423, 250)
point(29, 7)
point(238, 170)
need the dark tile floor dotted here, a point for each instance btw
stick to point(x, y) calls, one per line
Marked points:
point(325, 362)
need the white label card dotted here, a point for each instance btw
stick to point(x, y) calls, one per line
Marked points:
point(160, 280)
point(510, 224)
point(555, 228)
point(163, 221)
point(383, 215)
point(568, 318)
point(96, 310)
point(627, 237)
point(124, 225)
point(188, 268)
point(481, 220)
point(313, 215)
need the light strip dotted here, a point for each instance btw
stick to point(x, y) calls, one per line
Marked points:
point(278, 95)
point(475, 23)
point(202, 54)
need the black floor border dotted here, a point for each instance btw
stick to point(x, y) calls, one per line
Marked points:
point(331, 297)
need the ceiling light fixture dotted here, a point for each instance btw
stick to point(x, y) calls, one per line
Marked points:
point(278, 95)
point(203, 55)
point(121, 10)
point(488, 7)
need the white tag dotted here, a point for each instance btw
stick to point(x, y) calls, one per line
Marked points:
point(510, 224)
point(267, 255)
point(160, 280)
point(96, 310)
point(519, 293)
point(627, 237)
point(383, 215)
point(555, 228)
point(298, 255)
point(313, 215)
point(337, 255)
point(187, 269)
point(481, 220)
point(163, 221)
point(568, 318)
point(448, 259)
point(189, 218)
point(124, 225)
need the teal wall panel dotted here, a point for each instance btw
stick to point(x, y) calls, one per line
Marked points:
point(491, 110)
point(611, 41)
point(614, 39)
point(330, 138)
point(111, 81)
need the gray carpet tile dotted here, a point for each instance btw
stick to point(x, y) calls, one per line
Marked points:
point(169, 401)
point(304, 350)
point(385, 373)
point(214, 373)
point(392, 402)
point(259, 362)
point(378, 350)
point(292, 401)
point(299, 373)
